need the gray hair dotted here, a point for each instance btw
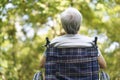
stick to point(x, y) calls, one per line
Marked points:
point(71, 20)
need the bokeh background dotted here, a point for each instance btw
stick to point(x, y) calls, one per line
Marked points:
point(24, 25)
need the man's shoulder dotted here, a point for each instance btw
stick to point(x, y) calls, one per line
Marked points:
point(86, 38)
point(57, 39)
point(78, 37)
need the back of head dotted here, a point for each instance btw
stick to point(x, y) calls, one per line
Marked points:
point(71, 20)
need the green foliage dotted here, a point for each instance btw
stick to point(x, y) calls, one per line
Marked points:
point(20, 53)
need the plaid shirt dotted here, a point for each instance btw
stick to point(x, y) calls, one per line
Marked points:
point(71, 64)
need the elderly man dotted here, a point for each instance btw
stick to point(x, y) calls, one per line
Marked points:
point(72, 56)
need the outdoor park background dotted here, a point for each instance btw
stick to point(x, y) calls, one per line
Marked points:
point(24, 25)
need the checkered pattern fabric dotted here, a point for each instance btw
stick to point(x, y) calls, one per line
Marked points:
point(71, 64)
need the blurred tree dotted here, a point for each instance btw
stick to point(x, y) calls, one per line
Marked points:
point(23, 24)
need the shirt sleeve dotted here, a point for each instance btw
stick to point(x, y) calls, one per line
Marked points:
point(44, 53)
point(99, 52)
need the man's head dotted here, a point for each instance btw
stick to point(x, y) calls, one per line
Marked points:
point(71, 20)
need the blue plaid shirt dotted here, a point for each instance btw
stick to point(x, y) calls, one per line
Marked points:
point(71, 64)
